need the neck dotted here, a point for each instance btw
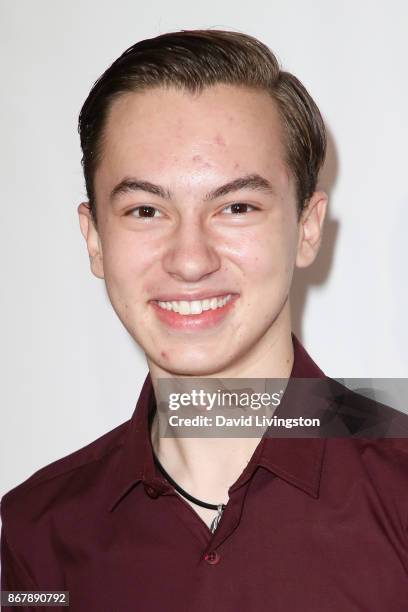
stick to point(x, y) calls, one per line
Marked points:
point(194, 463)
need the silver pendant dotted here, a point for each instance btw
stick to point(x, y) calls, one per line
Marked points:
point(217, 519)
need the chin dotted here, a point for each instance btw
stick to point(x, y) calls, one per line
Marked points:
point(188, 366)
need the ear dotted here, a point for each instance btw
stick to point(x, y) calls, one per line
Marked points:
point(310, 229)
point(91, 236)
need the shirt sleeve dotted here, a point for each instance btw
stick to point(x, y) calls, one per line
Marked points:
point(14, 576)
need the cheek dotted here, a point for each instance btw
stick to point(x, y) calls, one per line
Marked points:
point(126, 258)
point(266, 258)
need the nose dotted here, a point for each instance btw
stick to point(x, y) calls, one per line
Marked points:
point(191, 254)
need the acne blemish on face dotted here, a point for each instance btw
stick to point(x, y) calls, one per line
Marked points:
point(219, 140)
point(199, 160)
point(164, 354)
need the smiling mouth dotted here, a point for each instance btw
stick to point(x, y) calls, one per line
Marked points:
point(195, 307)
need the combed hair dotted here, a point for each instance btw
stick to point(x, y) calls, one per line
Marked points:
point(196, 59)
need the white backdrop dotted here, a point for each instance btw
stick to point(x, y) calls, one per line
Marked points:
point(69, 370)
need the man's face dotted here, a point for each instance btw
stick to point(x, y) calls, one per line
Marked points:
point(208, 211)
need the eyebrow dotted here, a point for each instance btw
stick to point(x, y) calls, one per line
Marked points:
point(250, 181)
point(132, 184)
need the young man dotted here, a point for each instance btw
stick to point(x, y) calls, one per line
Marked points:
point(201, 160)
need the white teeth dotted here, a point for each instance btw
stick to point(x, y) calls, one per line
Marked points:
point(195, 307)
point(184, 308)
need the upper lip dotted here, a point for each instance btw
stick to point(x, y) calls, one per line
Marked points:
point(189, 297)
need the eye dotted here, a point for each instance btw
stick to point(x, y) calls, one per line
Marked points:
point(145, 212)
point(239, 208)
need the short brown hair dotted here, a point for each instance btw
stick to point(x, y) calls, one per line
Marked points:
point(194, 60)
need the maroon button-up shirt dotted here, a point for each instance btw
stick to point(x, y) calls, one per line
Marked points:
point(311, 525)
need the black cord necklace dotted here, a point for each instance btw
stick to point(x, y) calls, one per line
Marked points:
point(218, 507)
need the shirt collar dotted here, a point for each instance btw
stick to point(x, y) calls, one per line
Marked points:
point(135, 457)
point(299, 463)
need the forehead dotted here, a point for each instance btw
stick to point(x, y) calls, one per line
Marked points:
point(224, 128)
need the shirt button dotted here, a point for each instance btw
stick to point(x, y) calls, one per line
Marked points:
point(151, 491)
point(212, 557)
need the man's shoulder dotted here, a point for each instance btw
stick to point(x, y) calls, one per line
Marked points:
point(364, 416)
point(54, 475)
